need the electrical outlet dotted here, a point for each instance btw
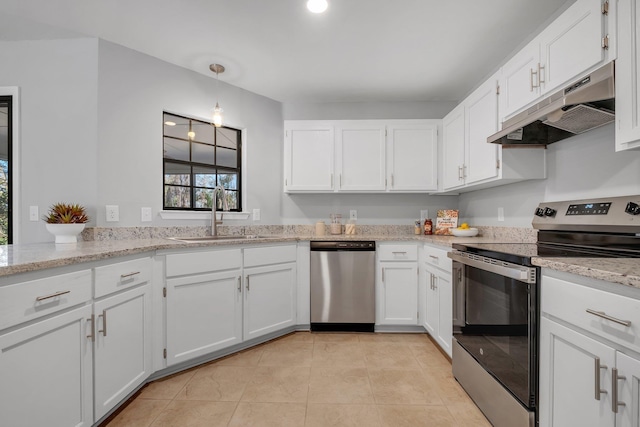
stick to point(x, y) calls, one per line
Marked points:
point(256, 214)
point(145, 215)
point(424, 214)
point(33, 213)
point(353, 214)
point(113, 213)
point(501, 214)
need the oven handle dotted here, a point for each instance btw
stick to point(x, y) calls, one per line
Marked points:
point(513, 271)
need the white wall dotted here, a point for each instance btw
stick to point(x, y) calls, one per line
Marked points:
point(584, 166)
point(57, 81)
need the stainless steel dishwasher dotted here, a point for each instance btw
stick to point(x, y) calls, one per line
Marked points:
point(343, 286)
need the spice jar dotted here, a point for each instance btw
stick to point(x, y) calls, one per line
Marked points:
point(417, 229)
point(350, 228)
point(336, 224)
point(428, 227)
point(320, 228)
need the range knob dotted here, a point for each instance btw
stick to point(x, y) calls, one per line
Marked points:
point(632, 208)
point(549, 212)
point(539, 212)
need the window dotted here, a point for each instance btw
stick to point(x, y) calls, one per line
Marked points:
point(5, 170)
point(197, 158)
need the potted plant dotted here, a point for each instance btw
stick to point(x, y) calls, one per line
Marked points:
point(65, 221)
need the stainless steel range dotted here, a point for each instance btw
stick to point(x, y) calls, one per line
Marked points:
point(496, 299)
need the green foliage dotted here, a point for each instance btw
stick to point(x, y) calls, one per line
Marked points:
point(63, 213)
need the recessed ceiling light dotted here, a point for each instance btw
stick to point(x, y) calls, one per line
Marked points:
point(317, 6)
point(168, 123)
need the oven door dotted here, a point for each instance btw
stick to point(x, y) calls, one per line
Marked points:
point(495, 319)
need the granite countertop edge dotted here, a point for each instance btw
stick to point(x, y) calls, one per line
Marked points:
point(624, 271)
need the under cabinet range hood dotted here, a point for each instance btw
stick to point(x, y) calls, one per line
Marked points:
point(579, 107)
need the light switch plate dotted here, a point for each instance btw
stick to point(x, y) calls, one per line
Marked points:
point(256, 214)
point(501, 214)
point(33, 213)
point(145, 215)
point(353, 214)
point(424, 214)
point(112, 213)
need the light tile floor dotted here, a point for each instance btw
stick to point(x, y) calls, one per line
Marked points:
point(313, 380)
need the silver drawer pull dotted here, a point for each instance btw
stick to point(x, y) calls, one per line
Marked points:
point(598, 367)
point(124, 276)
point(57, 294)
point(399, 252)
point(434, 257)
point(606, 316)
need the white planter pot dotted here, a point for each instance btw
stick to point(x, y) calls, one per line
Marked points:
point(65, 233)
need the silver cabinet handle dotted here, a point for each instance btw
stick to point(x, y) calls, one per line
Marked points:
point(124, 276)
point(340, 180)
point(331, 180)
point(104, 323)
point(459, 173)
point(248, 287)
point(464, 171)
point(56, 294)
point(606, 316)
point(239, 284)
point(434, 257)
point(614, 390)
point(598, 367)
point(540, 75)
point(398, 252)
point(383, 276)
point(391, 180)
point(92, 335)
point(435, 282)
point(531, 85)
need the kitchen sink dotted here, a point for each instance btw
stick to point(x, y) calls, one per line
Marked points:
point(218, 238)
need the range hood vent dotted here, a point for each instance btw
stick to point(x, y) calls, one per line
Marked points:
point(584, 105)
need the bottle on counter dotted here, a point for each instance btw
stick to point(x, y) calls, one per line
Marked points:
point(320, 228)
point(417, 229)
point(428, 227)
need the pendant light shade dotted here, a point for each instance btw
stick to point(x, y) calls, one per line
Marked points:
point(217, 111)
point(317, 6)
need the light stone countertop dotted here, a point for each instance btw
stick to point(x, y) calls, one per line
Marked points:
point(625, 271)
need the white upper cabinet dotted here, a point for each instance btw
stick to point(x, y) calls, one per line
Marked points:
point(308, 156)
point(481, 120)
point(628, 76)
point(453, 149)
point(572, 44)
point(369, 156)
point(360, 156)
point(576, 42)
point(519, 82)
point(412, 157)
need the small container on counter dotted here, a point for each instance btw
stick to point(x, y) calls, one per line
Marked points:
point(417, 229)
point(428, 227)
point(336, 224)
point(350, 228)
point(320, 228)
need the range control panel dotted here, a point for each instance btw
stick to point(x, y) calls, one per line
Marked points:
point(612, 214)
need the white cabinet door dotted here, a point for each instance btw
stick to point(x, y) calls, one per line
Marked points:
point(308, 156)
point(360, 159)
point(432, 315)
point(122, 349)
point(568, 378)
point(519, 82)
point(453, 141)
point(572, 43)
point(628, 391)
point(204, 314)
point(481, 120)
point(444, 334)
point(270, 299)
point(423, 286)
point(628, 76)
point(398, 293)
point(46, 373)
point(412, 157)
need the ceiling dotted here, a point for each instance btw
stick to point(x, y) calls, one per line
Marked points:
point(357, 51)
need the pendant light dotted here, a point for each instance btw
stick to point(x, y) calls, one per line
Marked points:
point(317, 6)
point(217, 111)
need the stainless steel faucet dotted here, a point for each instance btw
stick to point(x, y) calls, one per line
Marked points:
point(214, 206)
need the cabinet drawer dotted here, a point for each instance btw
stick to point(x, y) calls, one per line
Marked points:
point(26, 301)
point(570, 302)
point(202, 262)
point(437, 257)
point(392, 252)
point(269, 255)
point(122, 275)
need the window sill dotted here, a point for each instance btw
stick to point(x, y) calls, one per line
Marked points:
point(202, 215)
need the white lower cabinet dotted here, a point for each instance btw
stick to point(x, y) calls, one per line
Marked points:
point(270, 299)
point(589, 365)
point(397, 285)
point(218, 298)
point(122, 355)
point(204, 314)
point(46, 372)
point(435, 278)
